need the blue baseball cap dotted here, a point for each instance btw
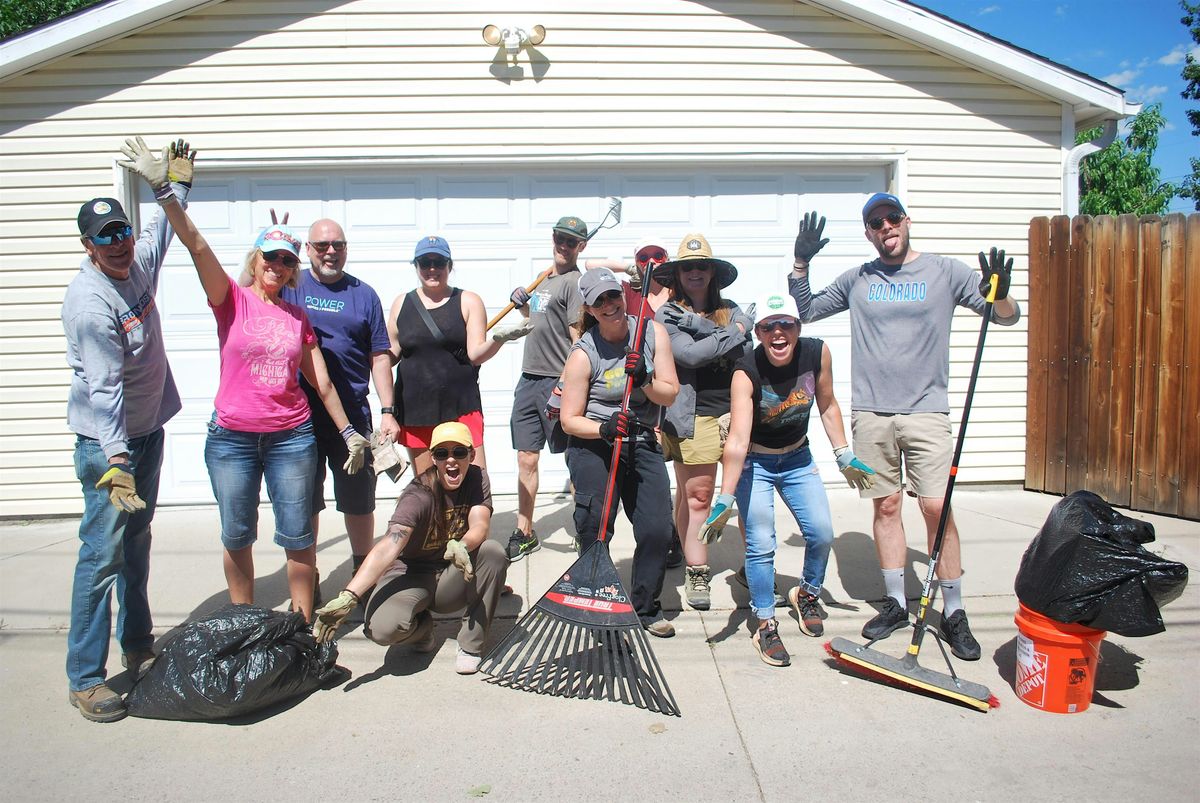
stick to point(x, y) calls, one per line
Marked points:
point(432, 245)
point(880, 199)
point(277, 238)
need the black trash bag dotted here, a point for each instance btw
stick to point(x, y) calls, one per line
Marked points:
point(234, 661)
point(1087, 566)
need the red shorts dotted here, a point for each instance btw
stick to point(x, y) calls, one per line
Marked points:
point(419, 437)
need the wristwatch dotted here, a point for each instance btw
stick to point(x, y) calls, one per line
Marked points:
point(387, 411)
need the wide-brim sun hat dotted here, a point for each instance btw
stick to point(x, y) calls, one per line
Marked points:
point(695, 247)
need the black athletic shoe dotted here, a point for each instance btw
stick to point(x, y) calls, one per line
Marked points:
point(520, 545)
point(887, 621)
point(957, 633)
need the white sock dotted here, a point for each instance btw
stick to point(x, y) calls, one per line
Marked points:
point(893, 582)
point(951, 595)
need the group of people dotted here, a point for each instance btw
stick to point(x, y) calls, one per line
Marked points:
point(299, 350)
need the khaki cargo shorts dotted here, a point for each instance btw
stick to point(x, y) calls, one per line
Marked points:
point(922, 440)
point(703, 448)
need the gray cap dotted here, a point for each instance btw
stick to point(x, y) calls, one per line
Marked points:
point(594, 283)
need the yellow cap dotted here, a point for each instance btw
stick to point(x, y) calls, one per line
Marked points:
point(451, 432)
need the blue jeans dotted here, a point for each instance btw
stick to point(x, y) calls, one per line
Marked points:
point(114, 549)
point(237, 463)
point(798, 481)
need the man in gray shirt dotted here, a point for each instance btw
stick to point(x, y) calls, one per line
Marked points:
point(121, 395)
point(901, 306)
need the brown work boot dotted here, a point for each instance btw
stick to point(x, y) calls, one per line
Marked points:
point(99, 704)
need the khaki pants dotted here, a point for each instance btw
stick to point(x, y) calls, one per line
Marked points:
point(399, 612)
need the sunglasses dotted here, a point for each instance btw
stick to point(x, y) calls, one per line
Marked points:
point(646, 257)
point(607, 297)
point(894, 218)
point(567, 240)
point(114, 235)
point(786, 324)
point(701, 266)
point(441, 453)
point(288, 260)
point(436, 263)
point(325, 245)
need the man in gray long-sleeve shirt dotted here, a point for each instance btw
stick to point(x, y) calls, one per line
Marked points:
point(901, 306)
point(121, 395)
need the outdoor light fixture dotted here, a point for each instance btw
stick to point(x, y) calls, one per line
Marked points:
point(513, 39)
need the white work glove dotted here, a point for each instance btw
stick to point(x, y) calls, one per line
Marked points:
point(456, 552)
point(503, 334)
point(722, 509)
point(357, 445)
point(856, 472)
point(143, 162)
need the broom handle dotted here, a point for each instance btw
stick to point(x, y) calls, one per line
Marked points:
point(639, 337)
point(511, 306)
point(929, 593)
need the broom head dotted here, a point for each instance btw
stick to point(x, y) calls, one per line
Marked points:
point(908, 674)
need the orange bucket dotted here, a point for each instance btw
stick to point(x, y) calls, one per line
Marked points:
point(1056, 662)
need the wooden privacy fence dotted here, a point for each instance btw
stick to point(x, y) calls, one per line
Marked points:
point(1113, 401)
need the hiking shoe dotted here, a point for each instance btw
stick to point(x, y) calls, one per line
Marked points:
point(696, 587)
point(520, 545)
point(466, 663)
point(659, 627)
point(890, 619)
point(99, 703)
point(770, 646)
point(780, 600)
point(809, 613)
point(138, 661)
point(957, 633)
point(675, 551)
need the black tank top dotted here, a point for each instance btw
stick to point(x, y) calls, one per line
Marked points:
point(783, 395)
point(435, 380)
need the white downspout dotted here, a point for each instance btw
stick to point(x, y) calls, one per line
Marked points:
point(1071, 166)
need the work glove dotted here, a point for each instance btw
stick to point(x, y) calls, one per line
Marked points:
point(688, 322)
point(357, 445)
point(722, 509)
point(723, 423)
point(456, 552)
point(142, 161)
point(637, 367)
point(182, 164)
point(809, 240)
point(519, 297)
point(856, 472)
point(122, 491)
point(503, 334)
point(635, 275)
point(332, 614)
point(617, 426)
point(750, 310)
point(994, 263)
point(554, 403)
point(385, 458)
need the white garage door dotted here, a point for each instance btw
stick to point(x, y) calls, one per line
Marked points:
point(498, 225)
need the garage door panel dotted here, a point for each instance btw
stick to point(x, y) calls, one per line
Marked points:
point(554, 198)
point(473, 204)
point(381, 209)
point(302, 200)
point(740, 201)
point(664, 206)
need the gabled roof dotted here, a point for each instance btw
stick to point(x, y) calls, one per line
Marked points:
point(1092, 99)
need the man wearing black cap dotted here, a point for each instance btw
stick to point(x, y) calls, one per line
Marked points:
point(901, 306)
point(554, 309)
point(121, 395)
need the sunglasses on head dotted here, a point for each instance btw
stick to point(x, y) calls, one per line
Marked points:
point(113, 236)
point(894, 218)
point(325, 245)
point(567, 240)
point(281, 256)
point(442, 454)
point(646, 257)
point(786, 324)
point(607, 297)
point(437, 263)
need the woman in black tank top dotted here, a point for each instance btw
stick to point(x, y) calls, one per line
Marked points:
point(438, 337)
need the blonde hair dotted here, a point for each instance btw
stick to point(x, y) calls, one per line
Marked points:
point(716, 308)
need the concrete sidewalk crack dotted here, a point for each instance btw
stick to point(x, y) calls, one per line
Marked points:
point(729, 706)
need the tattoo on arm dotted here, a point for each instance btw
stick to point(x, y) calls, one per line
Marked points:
point(398, 533)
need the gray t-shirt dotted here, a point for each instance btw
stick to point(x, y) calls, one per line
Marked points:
point(899, 328)
point(607, 380)
point(121, 384)
point(553, 307)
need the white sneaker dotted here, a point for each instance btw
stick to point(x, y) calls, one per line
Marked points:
point(467, 663)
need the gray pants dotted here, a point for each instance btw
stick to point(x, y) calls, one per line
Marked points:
point(399, 612)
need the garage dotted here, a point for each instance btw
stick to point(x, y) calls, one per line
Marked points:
point(498, 221)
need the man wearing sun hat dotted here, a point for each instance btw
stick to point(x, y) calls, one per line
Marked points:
point(901, 306)
point(122, 394)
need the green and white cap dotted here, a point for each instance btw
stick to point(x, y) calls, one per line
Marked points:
point(775, 305)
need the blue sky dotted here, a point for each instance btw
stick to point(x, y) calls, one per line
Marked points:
point(1136, 45)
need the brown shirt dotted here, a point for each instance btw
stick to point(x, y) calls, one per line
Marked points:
point(414, 509)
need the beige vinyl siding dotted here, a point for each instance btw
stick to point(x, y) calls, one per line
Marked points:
point(283, 82)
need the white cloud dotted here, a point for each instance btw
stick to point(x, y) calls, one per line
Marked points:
point(1120, 78)
point(1175, 56)
point(1060, 11)
point(988, 10)
point(1146, 94)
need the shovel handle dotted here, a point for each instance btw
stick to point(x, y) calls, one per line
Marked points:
point(511, 306)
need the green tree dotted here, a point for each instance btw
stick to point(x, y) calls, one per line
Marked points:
point(18, 16)
point(1191, 74)
point(1122, 179)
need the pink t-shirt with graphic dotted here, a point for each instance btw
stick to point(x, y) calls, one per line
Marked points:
point(261, 346)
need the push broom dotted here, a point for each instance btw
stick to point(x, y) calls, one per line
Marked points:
point(906, 672)
point(583, 638)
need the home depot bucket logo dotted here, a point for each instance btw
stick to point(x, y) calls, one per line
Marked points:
point(1031, 672)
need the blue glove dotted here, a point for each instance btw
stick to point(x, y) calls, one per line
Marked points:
point(856, 472)
point(722, 509)
point(520, 297)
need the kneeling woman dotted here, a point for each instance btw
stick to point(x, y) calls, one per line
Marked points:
point(772, 395)
point(435, 557)
point(594, 382)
